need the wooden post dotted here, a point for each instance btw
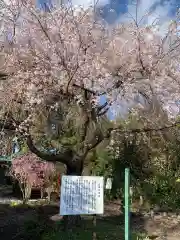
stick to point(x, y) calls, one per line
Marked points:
point(94, 227)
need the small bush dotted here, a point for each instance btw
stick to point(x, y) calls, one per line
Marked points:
point(163, 191)
point(29, 171)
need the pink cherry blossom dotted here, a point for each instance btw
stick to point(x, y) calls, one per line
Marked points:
point(29, 170)
point(53, 51)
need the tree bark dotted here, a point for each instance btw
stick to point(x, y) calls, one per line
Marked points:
point(74, 167)
point(71, 221)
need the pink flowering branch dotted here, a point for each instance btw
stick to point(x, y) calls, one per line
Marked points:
point(67, 57)
point(30, 172)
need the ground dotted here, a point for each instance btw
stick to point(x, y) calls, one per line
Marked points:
point(41, 221)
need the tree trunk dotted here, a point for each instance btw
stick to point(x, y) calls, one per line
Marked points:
point(72, 221)
point(74, 165)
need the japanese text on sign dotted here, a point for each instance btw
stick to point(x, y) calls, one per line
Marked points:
point(82, 195)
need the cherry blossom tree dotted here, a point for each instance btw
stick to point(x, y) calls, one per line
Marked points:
point(31, 172)
point(61, 62)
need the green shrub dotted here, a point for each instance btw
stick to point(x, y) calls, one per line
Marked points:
point(163, 191)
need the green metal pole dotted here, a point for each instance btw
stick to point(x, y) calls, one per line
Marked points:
point(126, 200)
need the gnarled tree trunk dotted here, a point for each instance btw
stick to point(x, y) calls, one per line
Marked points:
point(73, 169)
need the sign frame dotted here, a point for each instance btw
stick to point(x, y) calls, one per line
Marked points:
point(82, 195)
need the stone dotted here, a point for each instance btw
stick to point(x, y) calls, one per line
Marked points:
point(56, 217)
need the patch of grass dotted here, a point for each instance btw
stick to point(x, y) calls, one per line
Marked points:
point(19, 203)
point(104, 230)
point(34, 229)
point(36, 224)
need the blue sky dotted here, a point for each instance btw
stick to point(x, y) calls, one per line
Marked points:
point(122, 6)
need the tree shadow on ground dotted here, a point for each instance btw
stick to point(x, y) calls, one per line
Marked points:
point(25, 222)
point(137, 221)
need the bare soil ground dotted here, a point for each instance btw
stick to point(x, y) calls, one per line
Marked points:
point(162, 226)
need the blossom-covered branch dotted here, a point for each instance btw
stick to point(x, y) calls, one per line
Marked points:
point(60, 63)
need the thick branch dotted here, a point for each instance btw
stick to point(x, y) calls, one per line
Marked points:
point(100, 108)
point(103, 112)
point(84, 129)
point(116, 85)
point(96, 139)
point(161, 129)
point(3, 76)
point(98, 136)
point(64, 158)
point(7, 125)
point(85, 116)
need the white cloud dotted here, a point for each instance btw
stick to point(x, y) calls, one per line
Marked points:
point(84, 3)
point(172, 108)
point(150, 12)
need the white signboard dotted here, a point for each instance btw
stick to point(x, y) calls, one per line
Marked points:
point(82, 195)
point(109, 183)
